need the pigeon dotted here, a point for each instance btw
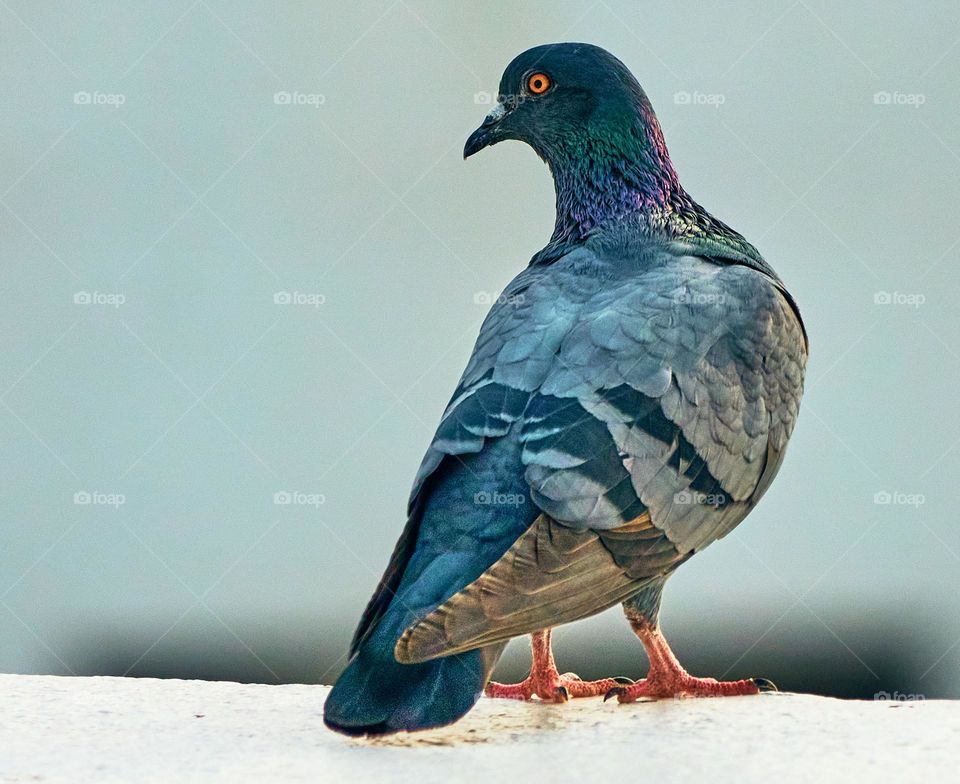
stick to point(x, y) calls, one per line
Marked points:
point(628, 402)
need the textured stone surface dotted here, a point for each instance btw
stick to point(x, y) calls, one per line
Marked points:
point(114, 729)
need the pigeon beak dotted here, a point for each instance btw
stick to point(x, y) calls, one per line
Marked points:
point(485, 135)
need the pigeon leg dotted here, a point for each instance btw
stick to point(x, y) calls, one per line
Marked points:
point(546, 682)
point(667, 678)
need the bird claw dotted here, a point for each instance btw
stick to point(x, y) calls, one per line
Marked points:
point(616, 691)
point(764, 685)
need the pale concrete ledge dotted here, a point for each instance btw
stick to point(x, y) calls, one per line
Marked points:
point(114, 729)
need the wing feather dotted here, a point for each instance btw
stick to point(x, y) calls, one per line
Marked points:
point(659, 389)
point(552, 575)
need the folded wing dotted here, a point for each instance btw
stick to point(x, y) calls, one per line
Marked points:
point(653, 410)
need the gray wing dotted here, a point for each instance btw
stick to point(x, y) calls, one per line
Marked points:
point(689, 386)
point(664, 394)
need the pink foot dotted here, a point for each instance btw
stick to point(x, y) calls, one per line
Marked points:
point(667, 678)
point(685, 685)
point(547, 683)
point(553, 687)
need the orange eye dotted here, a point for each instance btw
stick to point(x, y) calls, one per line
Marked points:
point(538, 83)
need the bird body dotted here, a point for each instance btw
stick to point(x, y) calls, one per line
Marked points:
point(628, 401)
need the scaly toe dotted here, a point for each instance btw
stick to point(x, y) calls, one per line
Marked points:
point(510, 691)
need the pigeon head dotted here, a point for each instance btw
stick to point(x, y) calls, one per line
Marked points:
point(559, 97)
point(586, 115)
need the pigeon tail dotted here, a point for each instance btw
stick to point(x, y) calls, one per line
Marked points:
point(377, 695)
point(439, 554)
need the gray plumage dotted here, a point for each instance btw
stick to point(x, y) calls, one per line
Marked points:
point(642, 380)
point(632, 393)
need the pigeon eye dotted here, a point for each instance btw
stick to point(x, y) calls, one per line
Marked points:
point(538, 83)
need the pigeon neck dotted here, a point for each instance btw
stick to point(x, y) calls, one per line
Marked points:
point(614, 171)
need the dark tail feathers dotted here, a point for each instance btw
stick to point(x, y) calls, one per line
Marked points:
point(377, 695)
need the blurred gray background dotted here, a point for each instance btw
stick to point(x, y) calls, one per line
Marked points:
point(244, 265)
